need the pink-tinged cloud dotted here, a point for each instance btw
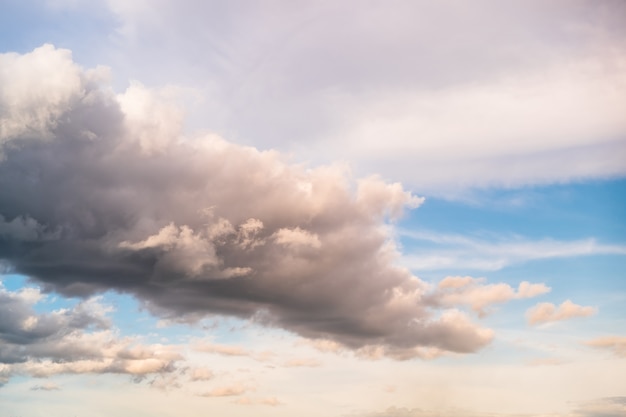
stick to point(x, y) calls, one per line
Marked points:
point(475, 293)
point(201, 374)
point(548, 312)
point(614, 344)
point(226, 391)
point(271, 401)
point(226, 350)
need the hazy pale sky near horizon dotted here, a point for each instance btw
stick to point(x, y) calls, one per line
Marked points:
point(304, 208)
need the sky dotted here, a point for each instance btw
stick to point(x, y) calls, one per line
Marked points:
point(281, 208)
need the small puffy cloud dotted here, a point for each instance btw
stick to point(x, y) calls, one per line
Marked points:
point(614, 344)
point(271, 401)
point(226, 391)
point(49, 386)
point(475, 293)
point(456, 282)
point(226, 350)
point(302, 362)
point(528, 290)
point(201, 374)
point(548, 312)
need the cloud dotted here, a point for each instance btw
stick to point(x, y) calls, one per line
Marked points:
point(614, 344)
point(22, 326)
point(546, 362)
point(70, 341)
point(302, 362)
point(473, 292)
point(602, 407)
point(45, 387)
point(37, 102)
point(296, 237)
point(226, 391)
point(201, 374)
point(165, 381)
point(109, 194)
point(226, 350)
point(463, 252)
point(548, 312)
point(323, 345)
point(271, 401)
point(466, 133)
point(396, 412)
point(539, 105)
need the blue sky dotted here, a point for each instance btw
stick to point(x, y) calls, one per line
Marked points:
point(404, 209)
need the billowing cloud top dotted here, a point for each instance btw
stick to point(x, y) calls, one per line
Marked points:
point(102, 192)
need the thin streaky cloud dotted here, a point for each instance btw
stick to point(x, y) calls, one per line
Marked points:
point(614, 344)
point(458, 251)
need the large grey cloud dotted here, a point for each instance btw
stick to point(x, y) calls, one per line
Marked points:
point(102, 192)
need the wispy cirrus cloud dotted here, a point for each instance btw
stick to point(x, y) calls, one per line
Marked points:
point(614, 344)
point(536, 106)
point(466, 252)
